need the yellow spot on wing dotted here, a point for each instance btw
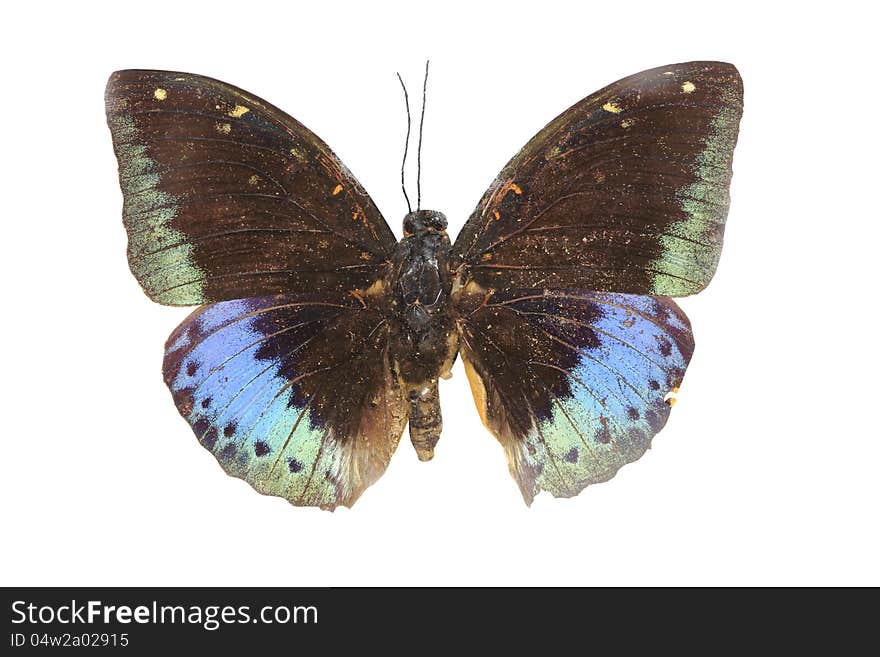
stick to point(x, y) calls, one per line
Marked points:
point(496, 214)
point(671, 401)
point(375, 289)
point(611, 107)
point(688, 87)
point(253, 180)
point(626, 123)
point(160, 94)
point(478, 389)
point(516, 189)
point(223, 128)
point(487, 256)
point(366, 256)
point(238, 111)
point(675, 390)
point(336, 190)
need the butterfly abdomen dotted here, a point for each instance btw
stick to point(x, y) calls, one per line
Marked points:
point(423, 343)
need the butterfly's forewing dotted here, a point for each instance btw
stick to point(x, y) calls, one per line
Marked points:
point(572, 383)
point(226, 196)
point(626, 191)
point(292, 393)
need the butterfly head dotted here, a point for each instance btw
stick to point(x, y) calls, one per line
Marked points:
point(421, 221)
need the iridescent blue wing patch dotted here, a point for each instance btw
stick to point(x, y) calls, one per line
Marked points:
point(226, 196)
point(573, 384)
point(292, 393)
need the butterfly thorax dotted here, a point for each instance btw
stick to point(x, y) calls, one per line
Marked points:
point(423, 343)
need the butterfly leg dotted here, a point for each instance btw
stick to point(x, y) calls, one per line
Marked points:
point(425, 419)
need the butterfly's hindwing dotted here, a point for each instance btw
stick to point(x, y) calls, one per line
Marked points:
point(626, 191)
point(573, 384)
point(293, 394)
point(226, 197)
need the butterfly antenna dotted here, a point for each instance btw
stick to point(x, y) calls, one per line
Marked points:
point(419, 153)
point(405, 145)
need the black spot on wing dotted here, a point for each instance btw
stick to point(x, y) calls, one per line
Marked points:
point(664, 346)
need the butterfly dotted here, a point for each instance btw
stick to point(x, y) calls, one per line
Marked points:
point(319, 336)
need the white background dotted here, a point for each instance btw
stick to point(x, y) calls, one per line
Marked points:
point(767, 472)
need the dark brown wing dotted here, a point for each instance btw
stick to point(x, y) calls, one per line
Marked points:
point(226, 196)
point(626, 191)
